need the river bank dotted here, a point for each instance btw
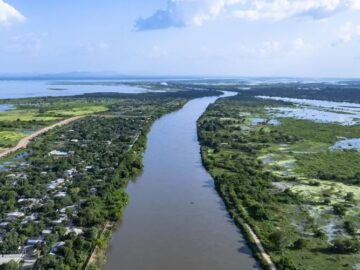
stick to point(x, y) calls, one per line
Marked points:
point(176, 219)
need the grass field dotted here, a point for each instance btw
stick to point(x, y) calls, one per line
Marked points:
point(33, 114)
point(25, 115)
point(9, 138)
point(78, 111)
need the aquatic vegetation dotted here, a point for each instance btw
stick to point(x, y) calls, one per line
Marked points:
point(342, 113)
point(298, 193)
point(347, 144)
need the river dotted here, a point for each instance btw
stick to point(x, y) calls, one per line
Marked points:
point(175, 219)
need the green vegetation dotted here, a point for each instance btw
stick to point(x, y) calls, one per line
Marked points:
point(337, 166)
point(9, 138)
point(306, 130)
point(301, 198)
point(77, 111)
point(57, 197)
point(30, 115)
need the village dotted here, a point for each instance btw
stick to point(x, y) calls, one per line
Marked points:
point(40, 212)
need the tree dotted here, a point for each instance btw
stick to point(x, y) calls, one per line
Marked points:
point(9, 266)
point(346, 246)
point(279, 240)
point(285, 263)
point(340, 209)
point(350, 197)
point(11, 242)
point(300, 243)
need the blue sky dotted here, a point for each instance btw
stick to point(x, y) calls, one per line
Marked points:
point(300, 38)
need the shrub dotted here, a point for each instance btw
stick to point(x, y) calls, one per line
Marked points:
point(346, 246)
point(279, 240)
point(339, 209)
point(300, 243)
point(285, 263)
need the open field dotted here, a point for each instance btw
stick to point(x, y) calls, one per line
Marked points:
point(30, 115)
point(9, 138)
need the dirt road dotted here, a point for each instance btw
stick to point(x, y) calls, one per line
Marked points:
point(260, 247)
point(23, 143)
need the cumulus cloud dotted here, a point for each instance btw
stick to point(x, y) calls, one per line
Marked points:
point(9, 14)
point(181, 13)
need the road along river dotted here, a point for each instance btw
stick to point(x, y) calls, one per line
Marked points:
point(175, 220)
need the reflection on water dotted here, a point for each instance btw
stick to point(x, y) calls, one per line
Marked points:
point(5, 107)
point(343, 113)
point(263, 121)
point(175, 220)
point(347, 144)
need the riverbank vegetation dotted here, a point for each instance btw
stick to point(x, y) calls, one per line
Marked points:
point(281, 175)
point(59, 194)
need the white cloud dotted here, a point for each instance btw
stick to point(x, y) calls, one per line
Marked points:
point(268, 48)
point(94, 47)
point(347, 33)
point(298, 44)
point(181, 13)
point(281, 9)
point(9, 14)
point(355, 4)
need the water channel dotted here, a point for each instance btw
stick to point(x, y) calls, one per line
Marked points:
point(175, 220)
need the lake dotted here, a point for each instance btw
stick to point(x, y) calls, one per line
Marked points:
point(175, 219)
point(37, 88)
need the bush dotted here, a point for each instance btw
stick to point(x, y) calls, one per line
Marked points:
point(346, 246)
point(340, 209)
point(278, 240)
point(285, 264)
point(300, 243)
point(9, 266)
point(350, 227)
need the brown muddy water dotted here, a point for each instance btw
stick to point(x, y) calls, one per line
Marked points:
point(175, 220)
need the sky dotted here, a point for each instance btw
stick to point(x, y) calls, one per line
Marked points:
point(293, 38)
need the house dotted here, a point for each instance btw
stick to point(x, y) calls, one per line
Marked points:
point(33, 242)
point(4, 224)
point(74, 230)
point(55, 247)
point(14, 215)
point(71, 172)
point(58, 153)
point(10, 257)
point(60, 194)
point(59, 221)
point(63, 210)
point(46, 232)
point(54, 184)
